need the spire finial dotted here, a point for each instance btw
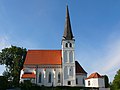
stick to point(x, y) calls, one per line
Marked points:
point(67, 31)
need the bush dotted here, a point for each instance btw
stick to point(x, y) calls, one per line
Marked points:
point(3, 83)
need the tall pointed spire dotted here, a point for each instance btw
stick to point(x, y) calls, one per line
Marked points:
point(67, 31)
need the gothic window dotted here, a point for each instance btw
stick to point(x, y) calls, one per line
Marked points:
point(49, 77)
point(59, 77)
point(70, 44)
point(65, 72)
point(76, 80)
point(88, 83)
point(83, 81)
point(66, 45)
point(65, 56)
point(71, 56)
point(71, 71)
point(40, 77)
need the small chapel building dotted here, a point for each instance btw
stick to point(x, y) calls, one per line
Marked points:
point(55, 67)
point(95, 80)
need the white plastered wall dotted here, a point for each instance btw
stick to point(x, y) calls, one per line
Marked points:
point(68, 61)
point(80, 79)
point(45, 75)
point(95, 82)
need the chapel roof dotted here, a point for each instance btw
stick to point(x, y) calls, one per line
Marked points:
point(94, 75)
point(48, 57)
point(43, 57)
point(79, 69)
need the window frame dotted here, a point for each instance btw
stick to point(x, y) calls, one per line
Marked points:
point(76, 80)
point(40, 77)
point(70, 44)
point(59, 77)
point(69, 82)
point(49, 77)
point(83, 81)
point(88, 83)
point(66, 45)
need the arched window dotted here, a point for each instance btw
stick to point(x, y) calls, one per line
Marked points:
point(71, 71)
point(71, 56)
point(49, 77)
point(40, 77)
point(88, 83)
point(83, 81)
point(69, 82)
point(65, 56)
point(66, 72)
point(59, 77)
point(70, 44)
point(76, 80)
point(66, 45)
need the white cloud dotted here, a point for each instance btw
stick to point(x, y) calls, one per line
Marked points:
point(105, 60)
point(4, 42)
point(111, 62)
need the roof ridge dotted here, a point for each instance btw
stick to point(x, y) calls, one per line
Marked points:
point(43, 49)
point(94, 75)
point(79, 68)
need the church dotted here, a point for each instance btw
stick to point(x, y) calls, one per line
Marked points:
point(55, 67)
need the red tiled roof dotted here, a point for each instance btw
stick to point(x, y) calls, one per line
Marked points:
point(79, 68)
point(43, 57)
point(32, 75)
point(48, 57)
point(94, 75)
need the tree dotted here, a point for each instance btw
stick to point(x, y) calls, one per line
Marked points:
point(3, 83)
point(116, 81)
point(106, 81)
point(13, 58)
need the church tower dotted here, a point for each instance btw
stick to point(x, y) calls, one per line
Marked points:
point(68, 58)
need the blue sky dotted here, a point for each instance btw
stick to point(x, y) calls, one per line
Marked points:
point(39, 24)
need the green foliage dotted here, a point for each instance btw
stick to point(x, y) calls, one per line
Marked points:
point(3, 83)
point(29, 86)
point(106, 81)
point(13, 57)
point(116, 82)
